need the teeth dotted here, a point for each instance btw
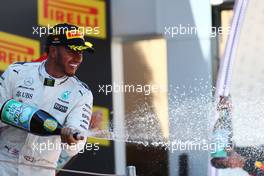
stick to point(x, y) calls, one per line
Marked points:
point(73, 65)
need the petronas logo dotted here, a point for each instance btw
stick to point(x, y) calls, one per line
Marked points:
point(65, 95)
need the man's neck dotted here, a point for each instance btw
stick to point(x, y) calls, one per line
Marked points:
point(52, 70)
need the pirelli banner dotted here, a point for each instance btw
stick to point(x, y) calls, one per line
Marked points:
point(15, 48)
point(24, 26)
point(89, 15)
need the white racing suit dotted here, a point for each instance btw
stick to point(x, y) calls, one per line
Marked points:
point(67, 99)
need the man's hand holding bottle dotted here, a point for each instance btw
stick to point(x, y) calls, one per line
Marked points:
point(69, 136)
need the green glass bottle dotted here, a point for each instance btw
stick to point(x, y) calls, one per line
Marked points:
point(29, 118)
point(222, 134)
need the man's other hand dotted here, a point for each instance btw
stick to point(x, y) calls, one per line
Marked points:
point(225, 102)
point(234, 160)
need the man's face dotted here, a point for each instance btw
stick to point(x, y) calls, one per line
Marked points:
point(68, 61)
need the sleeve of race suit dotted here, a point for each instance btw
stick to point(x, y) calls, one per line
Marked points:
point(6, 86)
point(79, 119)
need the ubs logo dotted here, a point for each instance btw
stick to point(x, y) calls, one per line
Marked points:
point(24, 95)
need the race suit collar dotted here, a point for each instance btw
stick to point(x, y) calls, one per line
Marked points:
point(44, 76)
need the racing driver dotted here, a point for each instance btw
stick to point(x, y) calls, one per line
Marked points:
point(51, 86)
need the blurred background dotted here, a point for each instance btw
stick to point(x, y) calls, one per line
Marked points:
point(152, 75)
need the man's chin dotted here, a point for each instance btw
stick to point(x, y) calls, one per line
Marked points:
point(70, 74)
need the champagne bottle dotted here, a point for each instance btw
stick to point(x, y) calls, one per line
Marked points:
point(222, 132)
point(30, 119)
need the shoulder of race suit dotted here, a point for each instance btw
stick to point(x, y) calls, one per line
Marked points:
point(41, 58)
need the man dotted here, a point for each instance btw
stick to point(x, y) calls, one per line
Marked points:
point(51, 86)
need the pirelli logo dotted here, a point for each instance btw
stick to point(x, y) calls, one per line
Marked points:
point(14, 48)
point(88, 14)
point(74, 34)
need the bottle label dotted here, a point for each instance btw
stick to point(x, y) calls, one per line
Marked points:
point(50, 125)
point(220, 141)
point(17, 114)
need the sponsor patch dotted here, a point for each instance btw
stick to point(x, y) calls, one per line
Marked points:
point(28, 82)
point(63, 101)
point(12, 150)
point(23, 87)
point(49, 82)
point(24, 95)
point(50, 125)
point(85, 110)
point(74, 34)
point(60, 107)
point(85, 116)
point(84, 127)
point(85, 121)
point(65, 95)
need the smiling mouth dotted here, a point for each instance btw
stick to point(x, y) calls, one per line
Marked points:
point(74, 65)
